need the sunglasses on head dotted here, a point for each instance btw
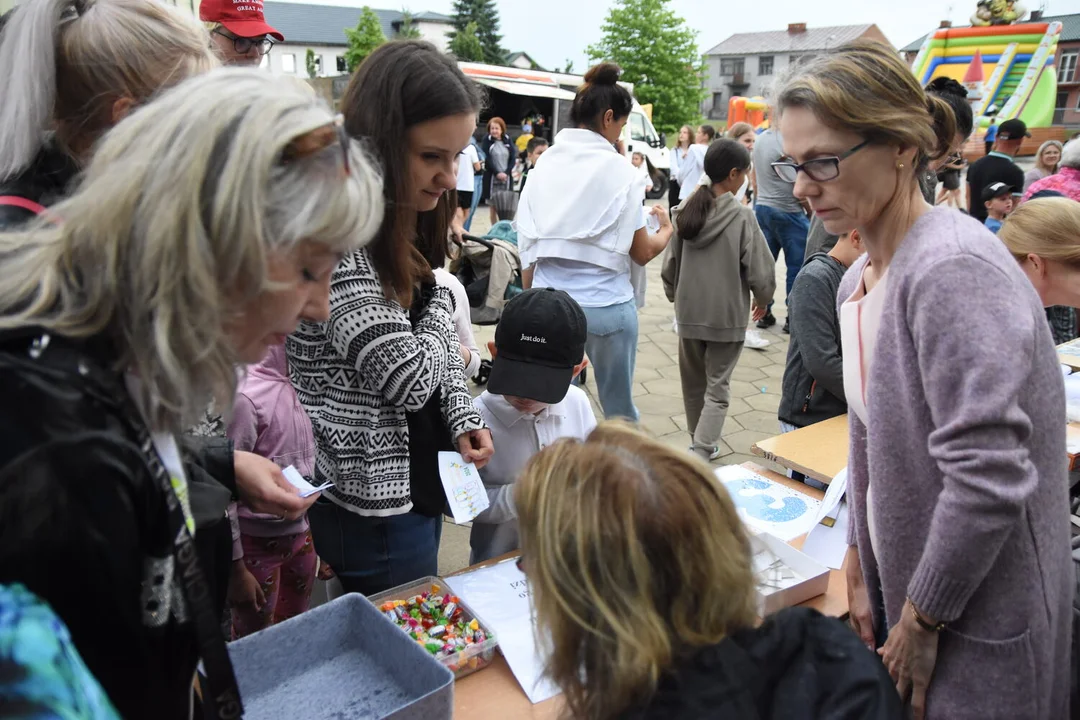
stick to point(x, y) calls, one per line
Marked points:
point(819, 169)
point(315, 142)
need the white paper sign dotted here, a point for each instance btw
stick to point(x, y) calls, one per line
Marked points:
point(769, 506)
point(297, 481)
point(500, 595)
point(464, 490)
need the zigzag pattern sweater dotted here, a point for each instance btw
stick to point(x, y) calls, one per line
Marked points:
point(360, 372)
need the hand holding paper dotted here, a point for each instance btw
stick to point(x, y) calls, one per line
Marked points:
point(297, 481)
point(465, 491)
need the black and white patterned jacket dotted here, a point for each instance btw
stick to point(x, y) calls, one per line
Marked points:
point(359, 373)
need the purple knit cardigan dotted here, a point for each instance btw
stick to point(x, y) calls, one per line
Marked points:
point(966, 450)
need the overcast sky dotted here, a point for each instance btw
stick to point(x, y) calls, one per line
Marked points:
point(556, 30)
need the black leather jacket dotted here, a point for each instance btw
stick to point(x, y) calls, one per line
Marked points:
point(83, 524)
point(45, 182)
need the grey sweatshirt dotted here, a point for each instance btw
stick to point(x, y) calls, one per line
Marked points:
point(710, 277)
point(813, 388)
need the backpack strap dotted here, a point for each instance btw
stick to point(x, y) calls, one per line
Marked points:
point(23, 203)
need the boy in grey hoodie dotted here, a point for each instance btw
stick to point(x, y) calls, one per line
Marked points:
point(717, 259)
point(813, 387)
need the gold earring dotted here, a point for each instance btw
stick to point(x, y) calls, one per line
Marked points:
point(900, 166)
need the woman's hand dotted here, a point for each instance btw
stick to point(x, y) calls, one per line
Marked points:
point(910, 655)
point(476, 447)
point(862, 620)
point(466, 354)
point(260, 484)
point(244, 590)
point(501, 177)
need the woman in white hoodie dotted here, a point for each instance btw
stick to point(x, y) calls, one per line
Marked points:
point(581, 222)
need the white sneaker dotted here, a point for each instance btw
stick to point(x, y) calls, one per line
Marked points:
point(755, 340)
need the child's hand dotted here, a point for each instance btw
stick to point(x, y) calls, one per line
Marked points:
point(661, 214)
point(476, 447)
point(244, 590)
point(759, 311)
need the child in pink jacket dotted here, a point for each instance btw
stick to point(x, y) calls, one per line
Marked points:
point(274, 560)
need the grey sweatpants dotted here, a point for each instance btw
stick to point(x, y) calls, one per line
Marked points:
point(705, 369)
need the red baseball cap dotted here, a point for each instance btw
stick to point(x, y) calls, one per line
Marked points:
point(243, 18)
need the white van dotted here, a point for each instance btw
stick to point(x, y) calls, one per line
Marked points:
point(514, 93)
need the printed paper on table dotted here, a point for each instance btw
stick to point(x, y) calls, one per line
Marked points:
point(464, 490)
point(768, 506)
point(500, 595)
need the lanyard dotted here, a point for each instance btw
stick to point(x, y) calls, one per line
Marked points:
point(221, 688)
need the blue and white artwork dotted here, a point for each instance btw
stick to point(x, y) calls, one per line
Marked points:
point(768, 506)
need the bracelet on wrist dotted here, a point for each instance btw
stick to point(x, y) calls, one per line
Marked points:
point(923, 622)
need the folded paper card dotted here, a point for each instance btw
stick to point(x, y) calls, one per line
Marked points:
point(465, 491)
point(297, 481)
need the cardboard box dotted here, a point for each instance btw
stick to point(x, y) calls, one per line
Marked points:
point(814, 582)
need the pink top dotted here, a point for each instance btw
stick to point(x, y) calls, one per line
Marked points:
point(860, 320)
point(268, 420)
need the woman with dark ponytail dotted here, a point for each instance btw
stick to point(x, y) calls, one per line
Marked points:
point(581, 224)
point(717, 260)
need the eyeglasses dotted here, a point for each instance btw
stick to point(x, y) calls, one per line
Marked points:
point(819, 169)
point(243, 45)
point(315, 142)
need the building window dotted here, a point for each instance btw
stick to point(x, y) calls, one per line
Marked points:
point(319, 66)
point(288, 63)
point(800, 59)
point(718, 100)
point(765, 65)
point(342, 66)
point(732, 66)
point(1067, 66)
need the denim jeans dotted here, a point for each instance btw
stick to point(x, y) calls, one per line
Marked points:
point(372, 554)
point(612, 349)
point(785, 231)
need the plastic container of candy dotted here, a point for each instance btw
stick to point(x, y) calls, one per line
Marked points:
point(463, 643)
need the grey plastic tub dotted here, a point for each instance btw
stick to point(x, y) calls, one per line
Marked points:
point(340, 661)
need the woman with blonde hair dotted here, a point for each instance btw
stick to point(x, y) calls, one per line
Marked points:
point(1046, 162)
point(72, 70)
point(206, 226)
point(641, 575)
point(959, 543)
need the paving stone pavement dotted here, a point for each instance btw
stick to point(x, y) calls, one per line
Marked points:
point(755, 389)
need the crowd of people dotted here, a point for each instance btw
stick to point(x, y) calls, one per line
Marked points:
point(176, 235)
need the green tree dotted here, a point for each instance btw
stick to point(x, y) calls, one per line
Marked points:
point(363, 40)
point(485, 15)
point(659, 55)
point(407, 29)
point(311, 64)
point(466, 46)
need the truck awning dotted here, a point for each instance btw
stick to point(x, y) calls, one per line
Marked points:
point(526, 88)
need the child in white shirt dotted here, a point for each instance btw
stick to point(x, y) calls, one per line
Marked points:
point(529, 403)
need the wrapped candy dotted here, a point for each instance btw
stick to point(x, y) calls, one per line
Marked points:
point(438, 624)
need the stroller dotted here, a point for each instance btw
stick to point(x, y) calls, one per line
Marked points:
point(490, 269)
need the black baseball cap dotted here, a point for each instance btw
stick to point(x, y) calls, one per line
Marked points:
point(540, 339)
point(996, 190)
point(1012, 129)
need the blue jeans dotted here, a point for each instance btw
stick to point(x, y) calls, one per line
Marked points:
point(372, 554)
point(612, 349)
point(785, 231)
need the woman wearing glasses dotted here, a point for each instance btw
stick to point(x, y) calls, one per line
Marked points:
point(238, 31)
point(120, 323)
point(73, 69)
point(959, 542)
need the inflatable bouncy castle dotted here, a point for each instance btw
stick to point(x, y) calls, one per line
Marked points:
point(1008, 69)
point(749, 110)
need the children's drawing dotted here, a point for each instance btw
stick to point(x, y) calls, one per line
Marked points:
point(465, 491)
point(768, 506)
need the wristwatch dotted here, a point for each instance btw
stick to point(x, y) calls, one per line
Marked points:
point(923, 622)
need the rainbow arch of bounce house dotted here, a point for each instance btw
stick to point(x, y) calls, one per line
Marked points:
point(1017, 68)
point(749, 110)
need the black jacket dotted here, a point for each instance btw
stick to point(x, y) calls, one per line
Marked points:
point(813, 385)
point(45, 182)
point(799, 665)
point(489, 164)
point(83, 524)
